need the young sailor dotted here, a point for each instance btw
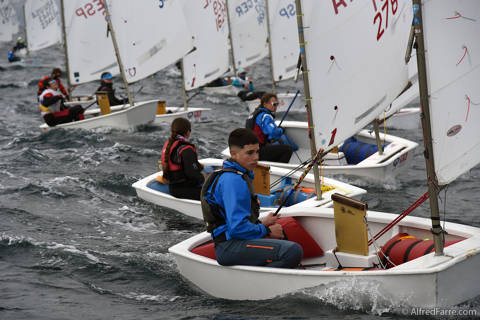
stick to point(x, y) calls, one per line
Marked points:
point(230, 210)
point(12, 57)
point(248, 92)
point(57, 76)
point(180, 162)
point(106, 86)
point(52, 107)
point(262, 122)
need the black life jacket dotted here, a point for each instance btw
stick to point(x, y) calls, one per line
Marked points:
point(251, 124)
point(214, 214)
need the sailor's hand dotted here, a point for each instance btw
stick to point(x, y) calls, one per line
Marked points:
point(270, 219)
point(276, 231)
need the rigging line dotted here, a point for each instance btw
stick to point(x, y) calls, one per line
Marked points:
point(444, 215)
point(459, 15)
point(377, 250)
point(469, 102)
point(400, 217)
point(290, 173)
point(464, 54)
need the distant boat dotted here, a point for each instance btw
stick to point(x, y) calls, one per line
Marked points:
point(145, 53)
point(88, 54)
point(42, 24)
point(161, 196)
point(8, 21)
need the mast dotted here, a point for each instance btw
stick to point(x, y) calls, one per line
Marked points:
point(269, 40)
point(308, 98)
point(184, 91)
point(25, 29)
point(437, 230)
point(117, 53)
point(231, 42)
point(65, 49)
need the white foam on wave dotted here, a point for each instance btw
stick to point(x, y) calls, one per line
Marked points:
point(358, 295)
point(147, 297)
point(15, 240)
point(72, 249)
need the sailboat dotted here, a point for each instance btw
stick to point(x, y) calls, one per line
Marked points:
point(397, 264)
point(144, 53)
point(283, 52)
point(151, 191)
point(338, 98)
point(247, 29)
point(42, 25)
point(89, 54)
point(8, 22)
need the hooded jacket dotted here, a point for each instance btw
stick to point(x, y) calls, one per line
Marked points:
point(232, 194)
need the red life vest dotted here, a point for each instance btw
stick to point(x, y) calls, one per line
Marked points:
point(41, 88)
point(175, 170)
point(251, 123)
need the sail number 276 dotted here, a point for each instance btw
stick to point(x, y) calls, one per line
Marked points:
point(381, 8)
point(382, 11)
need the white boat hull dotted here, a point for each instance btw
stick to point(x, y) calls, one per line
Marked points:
point(121, 117)
point(193, 209)
point(428, 281)
point(376, 168)
point(284, 100)
point(192, 114)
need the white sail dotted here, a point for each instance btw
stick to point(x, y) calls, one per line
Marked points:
point(42, 24)
point(89, 45)
point(208, 22)
point(451, 31)
point(151, 35)
point(8, 21)
point(248, 25)
point(355, 61)
point(283, 38)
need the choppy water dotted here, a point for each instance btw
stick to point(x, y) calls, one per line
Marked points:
point(76, 242)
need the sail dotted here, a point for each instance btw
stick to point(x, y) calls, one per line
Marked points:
point(8, 21)
point(42, 24)
point(151, 35)
point(355, 55)
point(89, 45)
point(208, 22)
point(451, 31)
point(283, 38)
point(248, 25)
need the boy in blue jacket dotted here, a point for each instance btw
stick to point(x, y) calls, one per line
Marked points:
point(231, 211)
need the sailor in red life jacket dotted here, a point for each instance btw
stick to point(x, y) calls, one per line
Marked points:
point(180, 162)
point(52, 108)
point(57, 76)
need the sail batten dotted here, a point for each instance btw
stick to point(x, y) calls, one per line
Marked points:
point(356, 63)
point(453, 71)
